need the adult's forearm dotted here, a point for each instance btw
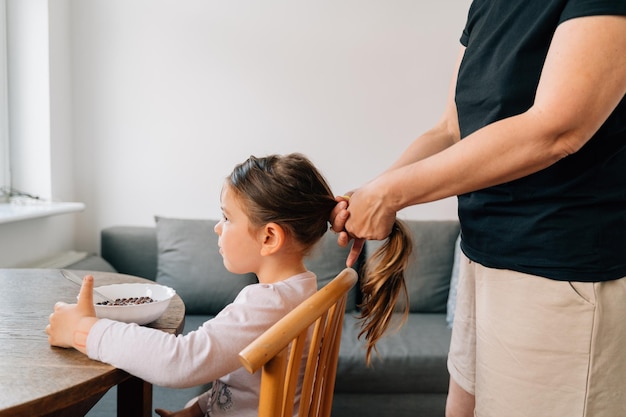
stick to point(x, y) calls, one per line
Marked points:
point(498, 153)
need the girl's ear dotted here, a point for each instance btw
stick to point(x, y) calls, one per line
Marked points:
point(272, 238)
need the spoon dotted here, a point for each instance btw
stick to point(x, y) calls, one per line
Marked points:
point(76, 280)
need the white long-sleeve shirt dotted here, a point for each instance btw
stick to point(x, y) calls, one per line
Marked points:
point(208, 354)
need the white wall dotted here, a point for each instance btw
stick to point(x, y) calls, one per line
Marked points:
point(165, 96)
point(169, 95)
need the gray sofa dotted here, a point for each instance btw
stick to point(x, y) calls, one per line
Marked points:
point(408, 378)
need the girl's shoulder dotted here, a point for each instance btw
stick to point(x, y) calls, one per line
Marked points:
point(297, 287)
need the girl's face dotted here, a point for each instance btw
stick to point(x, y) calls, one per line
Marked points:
point(239, 247)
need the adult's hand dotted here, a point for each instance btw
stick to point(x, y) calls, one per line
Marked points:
point(70, 323)
point(370, 215)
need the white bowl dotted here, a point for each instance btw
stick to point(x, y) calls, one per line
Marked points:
point(134, 313)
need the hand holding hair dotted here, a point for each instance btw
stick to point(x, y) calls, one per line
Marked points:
point(382, 282)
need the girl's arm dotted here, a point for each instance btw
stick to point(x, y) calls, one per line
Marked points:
point(180, 361)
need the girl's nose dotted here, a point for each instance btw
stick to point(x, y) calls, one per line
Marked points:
point(218, 227)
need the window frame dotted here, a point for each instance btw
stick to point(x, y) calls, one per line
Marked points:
point(5, 157)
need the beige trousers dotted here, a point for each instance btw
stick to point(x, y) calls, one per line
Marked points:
point(528, 346)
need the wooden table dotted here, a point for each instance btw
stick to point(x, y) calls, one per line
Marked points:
point(39, 380)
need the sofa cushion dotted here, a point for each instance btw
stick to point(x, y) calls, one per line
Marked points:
point(189, 261)
point(92, 262)
point(411, 359)
point(430, 268)
point(130, 250)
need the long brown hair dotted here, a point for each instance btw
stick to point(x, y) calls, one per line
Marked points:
point(290, 191)
point(383, 284)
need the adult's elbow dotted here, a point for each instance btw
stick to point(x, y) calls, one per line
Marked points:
point(561, 134)
point(569, 143)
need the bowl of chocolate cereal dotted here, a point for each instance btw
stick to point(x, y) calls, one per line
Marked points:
point(133, 302)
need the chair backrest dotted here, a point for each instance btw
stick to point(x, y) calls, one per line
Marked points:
point(279, 353)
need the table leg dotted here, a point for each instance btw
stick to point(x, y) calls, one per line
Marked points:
point(134, 398)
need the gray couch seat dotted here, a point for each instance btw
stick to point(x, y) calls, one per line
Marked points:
point(408, 361)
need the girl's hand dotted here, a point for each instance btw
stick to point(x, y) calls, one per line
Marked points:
point(338, 218)
point(70, 323)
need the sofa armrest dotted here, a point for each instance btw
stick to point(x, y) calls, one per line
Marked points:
point(130, 250)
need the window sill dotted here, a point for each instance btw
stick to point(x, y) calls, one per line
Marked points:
point(11, 212)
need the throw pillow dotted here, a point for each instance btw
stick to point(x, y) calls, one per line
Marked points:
point(430, 268)
point(189, 261)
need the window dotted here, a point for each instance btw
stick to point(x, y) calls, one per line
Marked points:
point(4, 121)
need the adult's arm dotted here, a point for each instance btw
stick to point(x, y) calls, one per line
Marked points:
point(583, 80)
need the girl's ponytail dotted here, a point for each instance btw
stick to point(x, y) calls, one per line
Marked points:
point(383, 285)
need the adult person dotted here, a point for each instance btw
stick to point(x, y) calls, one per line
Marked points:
point(533, 143)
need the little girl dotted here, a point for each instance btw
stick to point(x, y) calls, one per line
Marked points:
point(275, 209)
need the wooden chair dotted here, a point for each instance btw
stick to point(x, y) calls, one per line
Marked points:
point(288, 337)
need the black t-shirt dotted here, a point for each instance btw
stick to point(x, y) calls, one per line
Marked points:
point(568, 221)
